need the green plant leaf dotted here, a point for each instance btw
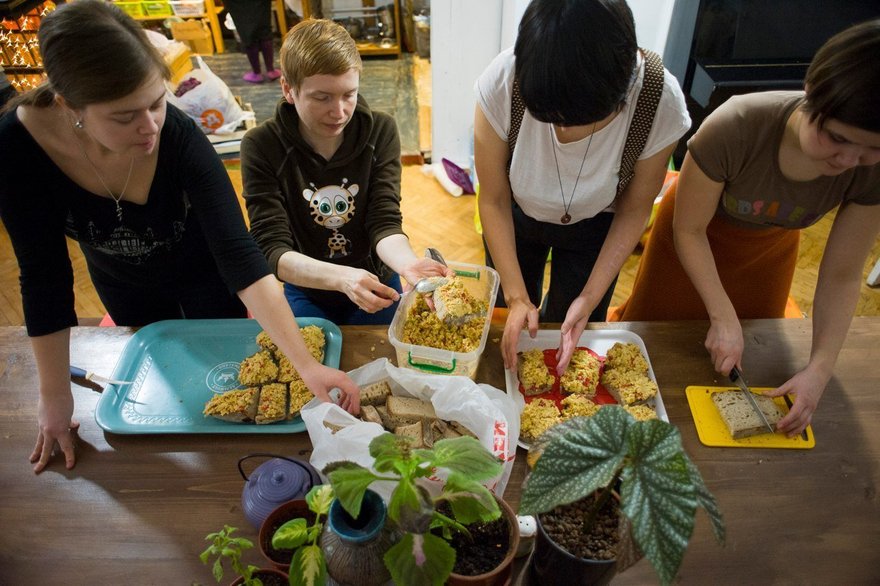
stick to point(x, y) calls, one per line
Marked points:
point(404, 499)
point(350, 482)
point(308, 567)
point(420, 558)
point(708, 502)
point(388, 451)
point(466, 456)
point(319, 499)
point(580, 456)
point(657, 495)
point(470, 500)
point(291, 535)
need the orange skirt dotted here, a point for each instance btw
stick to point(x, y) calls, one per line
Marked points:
point(756, 267)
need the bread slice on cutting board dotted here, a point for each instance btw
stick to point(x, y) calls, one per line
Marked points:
point(737, 413)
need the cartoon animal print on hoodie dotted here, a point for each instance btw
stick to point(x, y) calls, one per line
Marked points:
point(332, 207)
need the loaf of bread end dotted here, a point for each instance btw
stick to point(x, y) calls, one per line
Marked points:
point(737, 413)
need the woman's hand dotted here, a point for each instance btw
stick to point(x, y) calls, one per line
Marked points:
point(365, 290)
point(807, 387)
point(423, 268)
point(56, 427)
point(520, 314)
point(724, 341)
point(575, 321)
point(322, 379)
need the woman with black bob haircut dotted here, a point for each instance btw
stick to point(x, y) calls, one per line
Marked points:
point(762, 167)
point(573, 131)
point(97, 155)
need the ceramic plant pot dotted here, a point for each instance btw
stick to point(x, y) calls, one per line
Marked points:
point(297, 508)
point(552, 564)
point(354, 548)
point(502, 573)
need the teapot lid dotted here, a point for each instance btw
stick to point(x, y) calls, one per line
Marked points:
point(274, 482)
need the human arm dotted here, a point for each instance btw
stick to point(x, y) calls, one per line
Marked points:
point(496, 215)
point(852, 235)
point(55, 407)
point(267, 304)
point(632, 210)
point(696, 201)
point(396, 252)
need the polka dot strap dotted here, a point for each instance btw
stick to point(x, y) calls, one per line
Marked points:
point(643, 119)
point(517, 109)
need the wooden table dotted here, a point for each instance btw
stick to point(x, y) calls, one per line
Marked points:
point(135, 509)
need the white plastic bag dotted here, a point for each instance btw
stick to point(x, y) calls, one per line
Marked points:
point(211, 103)
point(490, 413)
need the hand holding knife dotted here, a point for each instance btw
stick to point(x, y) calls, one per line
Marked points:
point(736, 377)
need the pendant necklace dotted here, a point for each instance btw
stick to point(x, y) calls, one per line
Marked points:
point(566, 217)
point(116, 199)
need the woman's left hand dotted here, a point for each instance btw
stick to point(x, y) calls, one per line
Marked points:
point(807, 387)
point(570, 333)
point(422, 269)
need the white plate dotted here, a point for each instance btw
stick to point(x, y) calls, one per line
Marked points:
point(599, 341)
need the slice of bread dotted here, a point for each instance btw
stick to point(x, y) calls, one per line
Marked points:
point(239, 405)
point(369, 413)
point(375, 393)
point(413, 431)
point(737, 413)
point(272, 406)
point(534, 375)
point(409, 408)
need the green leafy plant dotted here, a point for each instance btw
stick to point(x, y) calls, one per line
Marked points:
point(659, 487)
point(224, 546)
point(421, 556)
point(308, 566)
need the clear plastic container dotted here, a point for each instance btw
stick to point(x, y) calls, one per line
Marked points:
point(482, 282)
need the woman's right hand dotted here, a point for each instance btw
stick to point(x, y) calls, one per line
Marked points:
point(322, 379)
point(365, 290)
point(724, 341)
point(56, 427)
point(520, 314)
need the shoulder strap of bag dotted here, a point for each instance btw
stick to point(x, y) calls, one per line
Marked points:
point(643, 119)
point(637, 136)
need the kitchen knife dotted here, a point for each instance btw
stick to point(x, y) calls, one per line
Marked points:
point(78, 372)
point(737, 378)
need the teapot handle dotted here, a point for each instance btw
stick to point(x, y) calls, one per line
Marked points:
point(268, 455)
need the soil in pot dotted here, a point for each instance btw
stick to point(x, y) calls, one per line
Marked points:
point(564, 525)
point(483, 550)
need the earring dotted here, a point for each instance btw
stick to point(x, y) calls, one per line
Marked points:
point(78, 124)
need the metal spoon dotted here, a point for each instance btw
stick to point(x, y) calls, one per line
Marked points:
point(430, 284)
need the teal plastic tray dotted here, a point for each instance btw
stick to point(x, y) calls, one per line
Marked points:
point(177, 365)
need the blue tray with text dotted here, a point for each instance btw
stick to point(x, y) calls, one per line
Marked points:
point(176, 366)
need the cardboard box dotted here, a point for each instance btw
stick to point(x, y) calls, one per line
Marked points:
point(194, 33)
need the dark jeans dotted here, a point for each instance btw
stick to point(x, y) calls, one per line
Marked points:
point(575, 249)
point(341, 312)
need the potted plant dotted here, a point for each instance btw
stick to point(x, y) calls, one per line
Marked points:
point(224, 546)
point(639, 469)
point(307, 566)
point(427, 522)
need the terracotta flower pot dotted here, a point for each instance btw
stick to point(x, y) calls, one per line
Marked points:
point(278, 517)
point(501, 574)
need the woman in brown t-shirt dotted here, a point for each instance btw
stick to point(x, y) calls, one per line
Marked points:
point(759, 169)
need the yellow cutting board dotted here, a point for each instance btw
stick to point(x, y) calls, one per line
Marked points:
point(713, 431)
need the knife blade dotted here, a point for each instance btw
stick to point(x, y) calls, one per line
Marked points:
point(77, 372)
point(736, 377)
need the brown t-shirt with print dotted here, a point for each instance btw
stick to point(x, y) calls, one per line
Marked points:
point(739, 146)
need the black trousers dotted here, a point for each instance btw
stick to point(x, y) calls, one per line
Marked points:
point(574, 247)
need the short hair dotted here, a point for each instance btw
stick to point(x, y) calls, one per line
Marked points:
point(575, 59)
point(317, 47)
point(92, 52)
point(843, 80)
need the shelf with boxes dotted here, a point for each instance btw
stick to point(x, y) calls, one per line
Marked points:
point(19, 48)
point(375, 29)
point(200, 27)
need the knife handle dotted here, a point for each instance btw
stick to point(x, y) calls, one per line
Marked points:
point(78, 372)
point(734, 375)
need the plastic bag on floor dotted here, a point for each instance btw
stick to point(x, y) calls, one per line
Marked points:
point(210, 102)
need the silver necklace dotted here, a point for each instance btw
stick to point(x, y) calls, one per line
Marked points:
point(566, 217)
point(116, 199)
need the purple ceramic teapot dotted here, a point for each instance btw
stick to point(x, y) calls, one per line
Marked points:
point(274, 482)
